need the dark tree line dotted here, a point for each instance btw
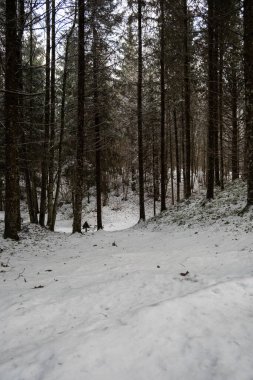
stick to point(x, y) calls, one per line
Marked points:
point(88, 109)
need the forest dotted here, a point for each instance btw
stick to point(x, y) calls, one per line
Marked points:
point(126, 189)
point(102, 96)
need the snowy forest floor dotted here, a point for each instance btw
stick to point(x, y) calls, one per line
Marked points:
point(113, 305)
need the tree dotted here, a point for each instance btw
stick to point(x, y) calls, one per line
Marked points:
point(212, 96)
point(97, 121)
point(11, 103)
point(248, 72)
point(62, 122)
point(220, 95)
point(162, 83)
point(187, 103)
point(44, 166)
point(24, 153)
point(33, 74)
point(177, 154)
point(78, 192)
point(52, 122)
point(234, 106)
point(140, 115)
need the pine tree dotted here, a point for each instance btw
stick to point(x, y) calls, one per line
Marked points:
point(52, 120)
point(187, 101)
point(248, 72)
point(140, 114)
point(78, 192)
point(212, 97)
point(162, 80)
point(44, 166)
point(11, 131)
point(65, 75)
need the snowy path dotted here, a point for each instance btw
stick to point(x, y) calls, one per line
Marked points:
point(122, 311)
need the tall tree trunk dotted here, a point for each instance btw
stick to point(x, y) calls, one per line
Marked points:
point(162, 80)
point(97, 119)
point(177, 155)
point(183, 143)
point(171, 165)
point(194, 154)
point(235, 165)
point(35, 195)
point(154, 173)
point(20, 109)
point(211, 101)
point(248, 72)
point(187, 102)
point(78, 195)
point(35, 206)
point(44, 166)
point(1, 195)
point(140, 116)
point(62, 125)
point(220, 89)
point(24, 149)
point(216, 99)
point(11, 103)
point(52, 123)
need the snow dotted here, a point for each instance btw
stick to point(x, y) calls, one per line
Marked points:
point(112, 304)
point(119, 215)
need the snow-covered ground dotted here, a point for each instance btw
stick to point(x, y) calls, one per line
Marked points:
point(113, 305)
point(117, 215)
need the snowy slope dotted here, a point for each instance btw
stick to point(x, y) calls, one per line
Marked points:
point(113, 305)
point(117, 215)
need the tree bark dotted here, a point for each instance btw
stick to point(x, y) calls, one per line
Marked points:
point(52, 123)
point(97, 118)
point(183, 143)
point(235, 164)
point(171, 166)
point(211, 101)
point(177, 155)
point(216, 97)
point(140, 115)
point(31, 105)
point(78, 195)
point(44, 166)
point(220, 89)
point(62, 125)
point(11, 103)
point(162, 84)
point(154, 170)
point(187, 103)
point(24, 150)
point(248, 73)
point(1, 195)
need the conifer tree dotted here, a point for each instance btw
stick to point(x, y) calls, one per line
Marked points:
point(11, 130)
point(44, 165)
point(248, 72)
point(140, 114)
point(78, 191)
